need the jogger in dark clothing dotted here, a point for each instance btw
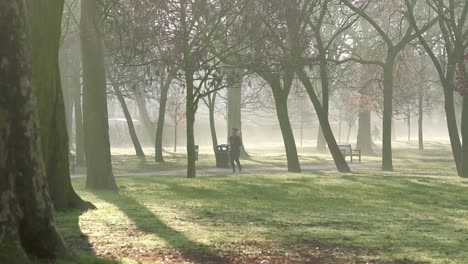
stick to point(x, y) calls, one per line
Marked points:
point(236, 142)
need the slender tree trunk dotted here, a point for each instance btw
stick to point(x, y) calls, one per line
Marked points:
point(453, 127)
point(349, 133)
point(211, 108)
point(162, 117)
point(285, 126)
point(79, 130)
point(190, 117)
point(364, 137)
point(27, 223)
point(387, 159)
point(446, 75)
point(68, 102)
point(420, 120)
point(338, 158)
point(464, 128)
point(131, 128)
point(409, 124)
point(324, 80)
point(175, 137)
point(191, 167)
point(45, 17)
point(144, 115)
point(95, 116)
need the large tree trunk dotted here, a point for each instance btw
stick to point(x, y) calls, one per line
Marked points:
point(234, 107)
point(95, 117)
point(364, 137)
point(338, 157)
point(27, 224)
point(387, 159)
point(131, 128)
point(45, 23)
point(162, 117)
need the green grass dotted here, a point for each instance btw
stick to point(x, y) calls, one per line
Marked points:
point(417, 214)
point(124, 161)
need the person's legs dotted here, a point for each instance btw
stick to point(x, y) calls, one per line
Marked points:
point(238, 163)
point(233, 158)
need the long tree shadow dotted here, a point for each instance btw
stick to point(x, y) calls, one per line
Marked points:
point(148, 222)
point(69, 225)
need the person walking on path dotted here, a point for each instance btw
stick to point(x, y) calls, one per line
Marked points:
point(235, 142)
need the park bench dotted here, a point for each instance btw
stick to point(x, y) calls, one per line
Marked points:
point(347, 150)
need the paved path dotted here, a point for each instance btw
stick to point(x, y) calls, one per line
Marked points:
point(218, 171)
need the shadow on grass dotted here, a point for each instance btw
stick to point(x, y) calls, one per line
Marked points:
point(148, 222)
point(83, 252)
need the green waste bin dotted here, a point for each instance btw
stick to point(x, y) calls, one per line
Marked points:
point(222, 156)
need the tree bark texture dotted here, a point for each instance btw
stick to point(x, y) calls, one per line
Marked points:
point(338, 157)
point(45, 17)
point(281, 103)
point(159, 157)
point(387, 157)
point(131, 128)
point(211, 103)
point(464, 129)
point(364, 137)
point(234, 108)
point(27, 223)
point(95, 116)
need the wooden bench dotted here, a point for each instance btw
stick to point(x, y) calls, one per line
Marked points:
point(347, 150)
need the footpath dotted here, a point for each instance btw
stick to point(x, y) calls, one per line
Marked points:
point(254, 170)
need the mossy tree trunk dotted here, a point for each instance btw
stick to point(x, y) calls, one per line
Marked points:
point(45, 17)
point(95, 116)
point(27, 223)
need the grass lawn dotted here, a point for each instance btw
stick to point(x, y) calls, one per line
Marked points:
point(414, 215)
point(124, 160)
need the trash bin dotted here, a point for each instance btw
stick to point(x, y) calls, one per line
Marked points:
point(222, 156)
point(196, 152)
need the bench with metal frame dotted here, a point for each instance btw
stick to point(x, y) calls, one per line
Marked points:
point(347, 150)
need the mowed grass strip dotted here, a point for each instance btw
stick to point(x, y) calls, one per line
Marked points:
point(393, 217)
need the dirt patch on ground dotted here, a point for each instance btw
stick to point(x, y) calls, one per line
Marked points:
point(240, 253)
